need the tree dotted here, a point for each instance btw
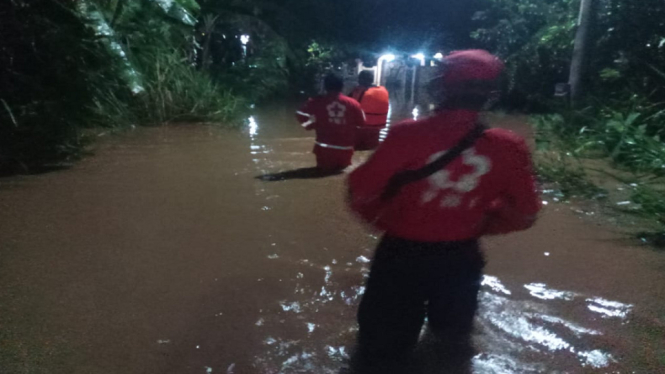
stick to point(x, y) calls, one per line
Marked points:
point(537, 40)
point(583, 47)
point(534, 38)
point(207, 30)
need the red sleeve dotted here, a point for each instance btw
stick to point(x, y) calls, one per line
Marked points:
point(519, 204)
point(305, 115)
point(367, 182)
point(359, 116)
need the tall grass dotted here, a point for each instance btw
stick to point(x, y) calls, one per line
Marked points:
point(629, 139)
point(556, 160)
point(651, 203)
point(174, 91)
point(568, 174)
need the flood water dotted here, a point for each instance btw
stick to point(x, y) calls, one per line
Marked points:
point(174, 250)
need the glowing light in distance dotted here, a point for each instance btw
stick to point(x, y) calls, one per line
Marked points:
point(415, 113)
point(387, 58)
point(421, 57)
point(438, 56)
point(244, 39)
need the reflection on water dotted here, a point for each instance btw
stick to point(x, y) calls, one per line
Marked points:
point(608, 308)
point(519, 331)
point(317, 348)
point(495, 284)
point(515, 329)
point(396, 116)
point(541, 291)
point(293, 306)
point(492, 363)
point(384, 131)
point(253, 126)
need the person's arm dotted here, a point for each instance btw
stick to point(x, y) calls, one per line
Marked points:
point(305, 115)
point(367, 182)
point(518, 207)
point(359, 117)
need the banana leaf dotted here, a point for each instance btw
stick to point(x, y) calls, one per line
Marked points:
point(181, 10)
point(93, 18)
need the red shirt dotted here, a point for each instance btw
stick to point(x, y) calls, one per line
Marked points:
point(334, 117)
point(489, 189)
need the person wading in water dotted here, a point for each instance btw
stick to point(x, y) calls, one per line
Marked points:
point(435, 186)
point(334, 117)
point(375, 102)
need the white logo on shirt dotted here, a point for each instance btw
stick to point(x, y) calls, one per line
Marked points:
point(336, 113)
point(440, 181)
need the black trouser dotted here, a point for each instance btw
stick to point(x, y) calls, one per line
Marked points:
point(408, 281)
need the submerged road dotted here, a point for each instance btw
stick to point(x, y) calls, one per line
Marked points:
point(164, 253)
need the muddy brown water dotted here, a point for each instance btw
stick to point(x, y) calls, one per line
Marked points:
point(163, 253)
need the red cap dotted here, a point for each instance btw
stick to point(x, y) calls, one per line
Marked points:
point(471, 65)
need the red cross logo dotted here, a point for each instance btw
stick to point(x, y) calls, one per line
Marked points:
point(336, 113)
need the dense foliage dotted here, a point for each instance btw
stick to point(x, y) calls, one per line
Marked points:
point(536, 40)
point(621, 121)
point(50, 63)
point(70, 65)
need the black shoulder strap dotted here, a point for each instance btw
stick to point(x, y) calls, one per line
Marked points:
point(399, 180)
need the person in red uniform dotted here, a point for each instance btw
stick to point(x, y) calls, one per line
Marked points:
point(428, 263)
point(375, 102)
point(334, 117)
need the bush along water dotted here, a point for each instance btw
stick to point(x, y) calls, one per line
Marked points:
point(628, 141)
point(68, 66)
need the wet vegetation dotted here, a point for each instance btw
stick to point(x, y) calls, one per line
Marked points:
point(72, 65)
point(617, 125)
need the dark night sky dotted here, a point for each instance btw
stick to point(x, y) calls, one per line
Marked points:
point(417, 23)
point(377, 25)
